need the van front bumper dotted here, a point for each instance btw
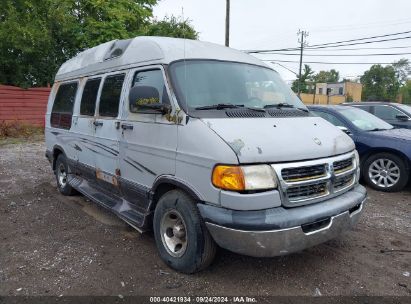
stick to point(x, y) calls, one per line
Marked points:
point(280, 231)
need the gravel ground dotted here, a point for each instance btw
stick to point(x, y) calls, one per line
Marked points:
point(56, 245)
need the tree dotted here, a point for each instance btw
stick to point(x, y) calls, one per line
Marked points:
point(306, 75)
point(380, 83)
point(402, 70)
point(37, 36)
point(405, 92)
point(326, 76)
point(171, 27)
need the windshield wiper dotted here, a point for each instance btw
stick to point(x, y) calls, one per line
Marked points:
point(377, 129)
point(219, 106)
point(283, 105)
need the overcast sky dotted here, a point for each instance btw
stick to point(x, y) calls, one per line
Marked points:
point(270, 24)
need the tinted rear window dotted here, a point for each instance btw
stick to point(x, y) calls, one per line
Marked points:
point(88, 100)
point(110, 95)
point(62, 111)
point(65, 97)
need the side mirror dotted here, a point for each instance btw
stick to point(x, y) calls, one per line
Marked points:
point(146, 99)
point(344, 129)
point(402, 117)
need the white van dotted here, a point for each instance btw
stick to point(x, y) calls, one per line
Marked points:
point(203, 144)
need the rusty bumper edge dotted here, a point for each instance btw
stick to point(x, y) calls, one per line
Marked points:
point(282, 241)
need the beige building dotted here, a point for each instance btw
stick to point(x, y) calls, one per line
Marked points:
point(334, 93)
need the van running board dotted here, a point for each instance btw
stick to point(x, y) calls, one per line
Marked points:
point(119, 206)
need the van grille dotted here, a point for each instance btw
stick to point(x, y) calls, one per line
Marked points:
point(309, 182)
point(343, 182)
point(343, 165)
point(303, 173)
point(307, 191)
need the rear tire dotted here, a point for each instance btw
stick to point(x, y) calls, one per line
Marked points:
point(385, 172)
point(61, 173)
point(182, 238)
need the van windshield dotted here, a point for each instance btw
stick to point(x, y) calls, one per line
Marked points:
point(202, 84)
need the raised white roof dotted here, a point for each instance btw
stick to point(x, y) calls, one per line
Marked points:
point(147, 50)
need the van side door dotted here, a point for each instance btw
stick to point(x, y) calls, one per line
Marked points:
point(83, 129)
point(148, 138)
point(105, 146)
point(61, 118)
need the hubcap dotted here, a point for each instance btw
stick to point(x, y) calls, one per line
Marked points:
point(62, 176)
point(173, 233)
point(384, 173)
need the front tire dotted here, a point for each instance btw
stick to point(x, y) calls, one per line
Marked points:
point(182, 238)
point(385, 172)
point(61, 173)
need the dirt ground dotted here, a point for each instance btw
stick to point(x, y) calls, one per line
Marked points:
point(56, 245)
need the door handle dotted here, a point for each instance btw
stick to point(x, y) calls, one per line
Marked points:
point(127, 127)
point(98, 123)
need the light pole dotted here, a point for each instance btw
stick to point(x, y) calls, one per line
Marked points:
point(303, 43)
point(227, 23)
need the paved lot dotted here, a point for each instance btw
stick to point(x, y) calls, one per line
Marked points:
point(54, 245)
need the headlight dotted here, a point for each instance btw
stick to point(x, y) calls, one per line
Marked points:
point(240, 178)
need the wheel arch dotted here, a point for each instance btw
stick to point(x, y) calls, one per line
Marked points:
point(372, 151)
point(168, 183)
point(57, 150)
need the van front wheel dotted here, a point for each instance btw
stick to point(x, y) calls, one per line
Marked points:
point(182, 239)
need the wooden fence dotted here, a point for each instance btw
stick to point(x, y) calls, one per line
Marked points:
point(26, 106)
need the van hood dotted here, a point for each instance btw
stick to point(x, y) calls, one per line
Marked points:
point(256, 140)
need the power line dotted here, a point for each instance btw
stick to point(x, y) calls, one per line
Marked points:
point(340, 55)
point(364, 38)
point(321, 62)
point(340, 43)
point(368, 48)
point(358, 43)
point(283, 66)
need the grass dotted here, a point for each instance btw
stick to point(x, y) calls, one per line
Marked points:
point(16, 132)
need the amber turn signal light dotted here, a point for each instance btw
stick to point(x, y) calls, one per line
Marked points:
point(228, 178)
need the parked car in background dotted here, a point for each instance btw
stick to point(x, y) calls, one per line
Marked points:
point(396, 114)
point(385, 152)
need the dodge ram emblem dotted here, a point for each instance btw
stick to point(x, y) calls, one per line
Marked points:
point(317, 141)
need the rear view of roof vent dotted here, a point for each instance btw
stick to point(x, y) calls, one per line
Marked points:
point(117, 49)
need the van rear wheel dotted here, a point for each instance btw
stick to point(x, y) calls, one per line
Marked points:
point(182, 238)
point(61, 173)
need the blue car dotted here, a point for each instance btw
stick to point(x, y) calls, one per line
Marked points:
point(385, 152)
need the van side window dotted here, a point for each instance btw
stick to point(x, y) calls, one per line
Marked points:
point(151, 78)
point(62, 110)
point(110, 95)
point(88, 100)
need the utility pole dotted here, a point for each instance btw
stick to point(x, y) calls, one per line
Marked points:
point(303, 43)
point(227, 23)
